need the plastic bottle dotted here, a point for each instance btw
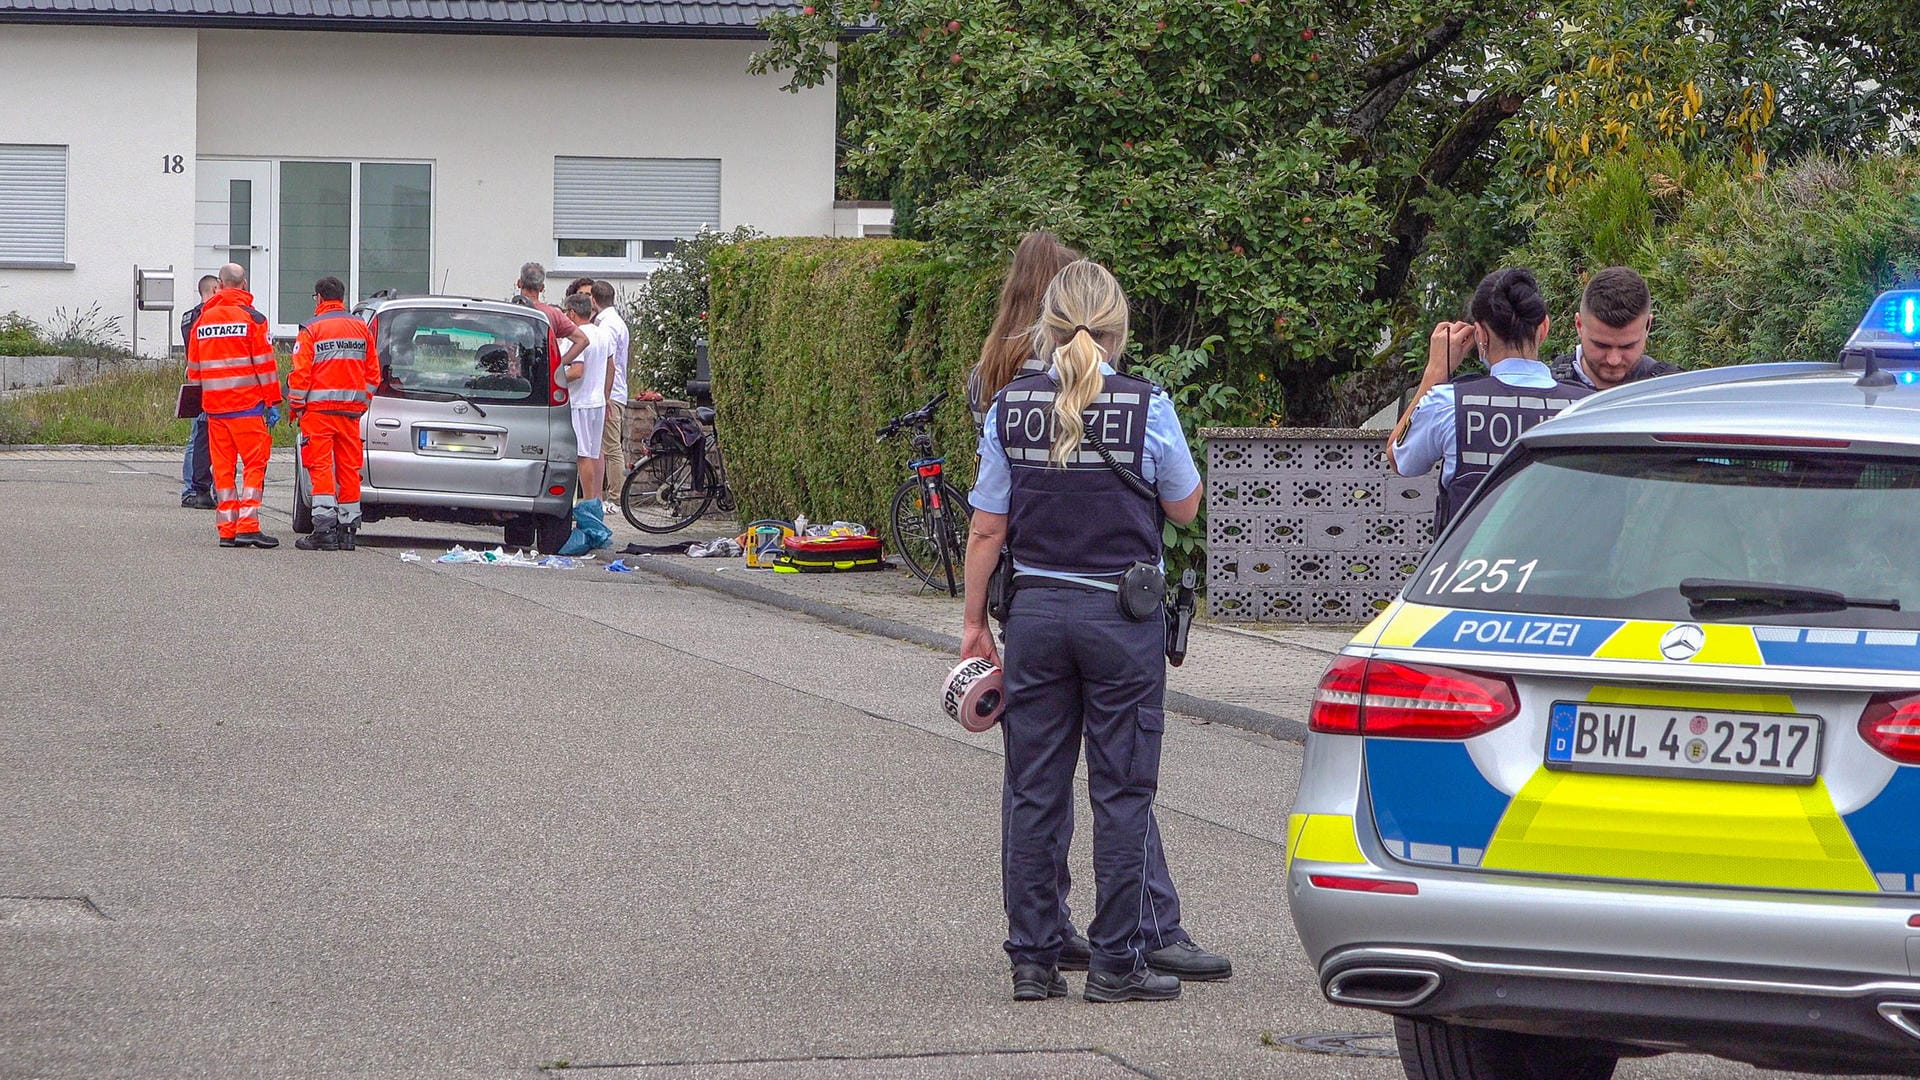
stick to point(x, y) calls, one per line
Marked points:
point(800, 525)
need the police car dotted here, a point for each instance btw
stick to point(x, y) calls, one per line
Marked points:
point(1633, 764)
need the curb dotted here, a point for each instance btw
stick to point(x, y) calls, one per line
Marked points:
point(88, 448)
point(1218, 712)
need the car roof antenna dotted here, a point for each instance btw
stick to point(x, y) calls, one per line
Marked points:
point(1874, 377)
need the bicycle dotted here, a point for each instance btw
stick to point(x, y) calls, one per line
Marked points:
point(930, 519)
point(669, 490)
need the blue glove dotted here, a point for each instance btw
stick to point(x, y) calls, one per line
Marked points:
point(273, 415)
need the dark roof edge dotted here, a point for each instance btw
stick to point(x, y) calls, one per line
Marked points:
point(382, 25)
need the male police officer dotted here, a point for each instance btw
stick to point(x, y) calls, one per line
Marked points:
point(1616, 311)
point(1470, 424)
point(335, 371)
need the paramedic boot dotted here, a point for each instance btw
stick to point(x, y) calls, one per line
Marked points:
point(347, 535)
point(324, 537)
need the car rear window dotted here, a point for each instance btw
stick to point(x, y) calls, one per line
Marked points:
point(1614, 532)
point(483, 356)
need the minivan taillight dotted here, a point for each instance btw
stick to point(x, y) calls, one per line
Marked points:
point(1410, 701)
point(1891, 725)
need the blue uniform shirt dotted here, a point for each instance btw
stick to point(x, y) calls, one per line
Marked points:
point(1430, 435)
point(1167, 465)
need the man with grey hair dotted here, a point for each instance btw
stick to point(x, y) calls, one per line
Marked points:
point(532, 282)
point(587, 379)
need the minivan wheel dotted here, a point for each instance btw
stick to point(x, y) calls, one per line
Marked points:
point(1437, 1050)
point(551, 532)
point(302, 500)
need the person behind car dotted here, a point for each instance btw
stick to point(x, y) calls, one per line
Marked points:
point(586, 377)
point(196, 467)
point(230, 358)
point(335, 371)
point(1616, 314)
point(529, 286)
point(1079, 662)
point(1008, 349)
point(613, 442)
point(1467, 425)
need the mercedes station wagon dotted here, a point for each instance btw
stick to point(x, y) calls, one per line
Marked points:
point(468, 424)
point(1632, 765)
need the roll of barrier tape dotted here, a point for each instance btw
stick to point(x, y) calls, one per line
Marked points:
point(973, 694)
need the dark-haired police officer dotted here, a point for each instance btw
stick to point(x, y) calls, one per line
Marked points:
point(1470, 424)
point(1078, 666)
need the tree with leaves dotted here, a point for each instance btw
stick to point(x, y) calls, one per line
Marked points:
point(1271, 174)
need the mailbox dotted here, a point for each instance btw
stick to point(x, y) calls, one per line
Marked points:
point(153, 289)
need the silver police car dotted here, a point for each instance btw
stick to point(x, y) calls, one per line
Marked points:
point(468, 424)
point(1633, 764)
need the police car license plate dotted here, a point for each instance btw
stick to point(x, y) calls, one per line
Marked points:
point(1767, 748)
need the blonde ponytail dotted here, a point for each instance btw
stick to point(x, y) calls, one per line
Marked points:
point(1078, 362)
point(1083, 321)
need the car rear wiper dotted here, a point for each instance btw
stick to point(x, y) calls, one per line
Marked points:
point(452, 395)
point(1760, 596)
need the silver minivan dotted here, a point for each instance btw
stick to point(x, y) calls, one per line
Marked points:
point(468, 424)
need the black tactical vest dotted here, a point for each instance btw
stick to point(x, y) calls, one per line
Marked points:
point(1081, 519)
point(1488, 415)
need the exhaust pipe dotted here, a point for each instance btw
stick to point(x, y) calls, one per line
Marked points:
point(1403, 988)
point(1904, 1015)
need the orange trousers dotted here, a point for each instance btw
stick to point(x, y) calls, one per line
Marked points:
point(330, 448)
point(245, 438)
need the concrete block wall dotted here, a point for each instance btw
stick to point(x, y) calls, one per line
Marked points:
point(1309, 524)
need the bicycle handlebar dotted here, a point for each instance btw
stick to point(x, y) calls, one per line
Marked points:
point(919, 417)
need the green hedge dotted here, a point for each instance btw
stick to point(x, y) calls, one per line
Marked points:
point(1742, 271)
point(815, 344)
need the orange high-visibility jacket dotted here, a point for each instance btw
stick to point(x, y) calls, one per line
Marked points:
point(335, 368)
point(229, 356)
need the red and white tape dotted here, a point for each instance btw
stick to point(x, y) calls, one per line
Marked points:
point(973, 694)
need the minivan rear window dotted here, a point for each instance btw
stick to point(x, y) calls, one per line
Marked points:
point(1614, 532)
point(484, 356)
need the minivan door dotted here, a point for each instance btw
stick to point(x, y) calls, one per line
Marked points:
point(464, 403)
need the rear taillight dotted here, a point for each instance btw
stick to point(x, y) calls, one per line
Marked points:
point(1410, 701)
point(1891, 725)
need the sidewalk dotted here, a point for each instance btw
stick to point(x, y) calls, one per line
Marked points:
point(1260, 679)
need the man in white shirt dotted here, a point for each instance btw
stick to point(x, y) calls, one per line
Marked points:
point(613, 442)
point(587, 378)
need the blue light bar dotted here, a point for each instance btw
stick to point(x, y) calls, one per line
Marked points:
point(1891, 331)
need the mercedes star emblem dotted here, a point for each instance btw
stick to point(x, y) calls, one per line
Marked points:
point(1681, 642)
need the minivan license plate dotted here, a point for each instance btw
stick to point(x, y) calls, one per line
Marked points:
point(1767, 748)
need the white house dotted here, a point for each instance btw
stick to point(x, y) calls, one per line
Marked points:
point(423, 145)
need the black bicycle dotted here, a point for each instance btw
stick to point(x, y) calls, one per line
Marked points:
point(930, 519)
point(671, 488)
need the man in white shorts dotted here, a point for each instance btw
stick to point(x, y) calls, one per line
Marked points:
point(614, 441)
point(586, 379)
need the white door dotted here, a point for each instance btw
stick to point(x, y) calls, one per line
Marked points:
point(232, 222)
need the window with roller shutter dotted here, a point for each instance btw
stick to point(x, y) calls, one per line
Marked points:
point(623, 215)
point(33, 205)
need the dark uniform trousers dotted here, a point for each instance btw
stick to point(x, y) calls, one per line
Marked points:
point(1078, 670)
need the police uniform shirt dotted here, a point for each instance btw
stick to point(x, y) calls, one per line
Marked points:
point(1430, 433)
point(1168, 462)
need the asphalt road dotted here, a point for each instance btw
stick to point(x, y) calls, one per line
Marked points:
point(285, 814)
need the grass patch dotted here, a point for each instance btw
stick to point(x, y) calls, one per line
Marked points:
point(130, 406)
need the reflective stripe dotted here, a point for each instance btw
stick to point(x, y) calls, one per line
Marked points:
point(328, 501)
point(350, 513)
point(251, 493)
point(247, 512)
point(225, 517)
point(359, 396)
point(231, 382)
point(238, 363)
point(339, 349)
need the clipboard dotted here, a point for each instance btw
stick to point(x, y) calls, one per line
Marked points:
point(187, 406)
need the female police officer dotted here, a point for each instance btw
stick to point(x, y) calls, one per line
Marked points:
point(1077, 664)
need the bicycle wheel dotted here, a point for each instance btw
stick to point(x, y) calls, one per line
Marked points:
point(659, 496)
point(917, 535)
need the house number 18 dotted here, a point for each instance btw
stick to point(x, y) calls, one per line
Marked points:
point(172, 163)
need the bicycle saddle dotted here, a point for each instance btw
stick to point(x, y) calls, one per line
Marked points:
point(703, 414)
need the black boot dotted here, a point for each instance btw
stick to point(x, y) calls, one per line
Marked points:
point(347, 533)
point(324, 537)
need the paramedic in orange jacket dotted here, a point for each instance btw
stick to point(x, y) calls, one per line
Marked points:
point(334, 374)
point(230, 359)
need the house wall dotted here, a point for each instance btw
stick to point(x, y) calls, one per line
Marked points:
point(120, 100)
point(491, 114)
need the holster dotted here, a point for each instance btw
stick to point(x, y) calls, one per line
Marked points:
point(1000, 588)
point(1180, 618)
point(1142, 589)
